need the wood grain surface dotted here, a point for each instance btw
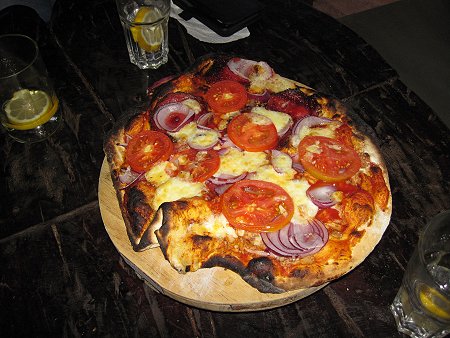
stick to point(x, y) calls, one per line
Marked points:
point(214, 289)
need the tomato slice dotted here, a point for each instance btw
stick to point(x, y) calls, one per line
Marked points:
point(253, 132)
point(198, 165)
point(257, 206)
point(226, 96)
point(328, 159)
point(147, 148)
point(328, 215)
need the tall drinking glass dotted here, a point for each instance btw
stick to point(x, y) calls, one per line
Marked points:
point(145, 24)
point(422, 305)
point(29, 108)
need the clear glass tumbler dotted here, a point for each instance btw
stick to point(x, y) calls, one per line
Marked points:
point(29, 108)
point(422, 305)
point(145, 24)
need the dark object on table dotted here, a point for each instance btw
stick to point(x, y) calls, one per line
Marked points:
point(223, 17)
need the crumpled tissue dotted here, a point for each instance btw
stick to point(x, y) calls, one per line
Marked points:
point(203, 33)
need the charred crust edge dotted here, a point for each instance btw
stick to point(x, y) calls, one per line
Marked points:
point(258, 272)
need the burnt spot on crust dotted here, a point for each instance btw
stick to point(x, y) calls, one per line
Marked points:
point(358, 234)
point(141, 217)
point(227, 262)
point(261, 267)
point(168, 220)
point(138, 210)
point(259, 274)
point(162, 234)
point(299, 273)
point(375, 170)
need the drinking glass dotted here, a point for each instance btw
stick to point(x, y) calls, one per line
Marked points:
point(422, 305)
point(145, 24)
point(29, 108)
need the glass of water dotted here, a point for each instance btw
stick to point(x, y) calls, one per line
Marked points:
point(29, 108)
point(145, 24)
point(422, 305)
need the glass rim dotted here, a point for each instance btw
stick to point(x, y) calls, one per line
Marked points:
point(33, 60)
point(426, 229)
point(421, 249)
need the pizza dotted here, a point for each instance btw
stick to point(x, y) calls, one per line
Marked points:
point(232, 165)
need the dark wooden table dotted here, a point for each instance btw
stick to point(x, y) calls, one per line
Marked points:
point(60, 275)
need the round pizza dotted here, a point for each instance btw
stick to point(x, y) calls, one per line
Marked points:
point(233, 165)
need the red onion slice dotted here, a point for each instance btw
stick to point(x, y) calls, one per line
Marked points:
point(296, 165)
point(311, 236)
point(128, 177)
point(281, 161)
point(285, 129)
point(205, 120)
point(321, 194)
point(203, 139)
point(227, 179)
point(249, 68)
point(173, 116)
point(226, 143)
point(259, 97)
point(220, 189)
point(298, 240)
point(309, 121)
point(304, 237)
point(274, 244)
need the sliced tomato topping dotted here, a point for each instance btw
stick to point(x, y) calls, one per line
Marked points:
point(197, 165)
point(252, 132)
point(257, 206)
point(328, 159)
point(328, 215)
point(226, 96)
point(147, 148)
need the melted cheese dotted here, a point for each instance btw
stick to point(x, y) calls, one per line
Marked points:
point(282, 162)
point(176, 189)
point(296, 188)
point(203, 138)
point(157, 174)
point(193, 104)
point(235, 162)
point(279, 119)
point(184, 133)
point(326, 130)
point(216, 226)
point(275, 84)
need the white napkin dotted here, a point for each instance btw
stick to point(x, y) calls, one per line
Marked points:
point(203, 33)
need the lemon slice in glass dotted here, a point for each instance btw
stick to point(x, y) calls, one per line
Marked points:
point(148, 38)
point(434, 302)
point(28, 109)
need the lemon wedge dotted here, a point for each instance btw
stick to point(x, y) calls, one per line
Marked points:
point(148, 38)
point(434, 302)
point(28, 109)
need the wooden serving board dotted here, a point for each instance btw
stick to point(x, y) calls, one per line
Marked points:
point(214, 289)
